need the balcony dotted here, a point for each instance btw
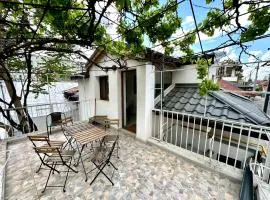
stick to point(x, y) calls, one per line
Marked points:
point(145, 171)
point(187, 157)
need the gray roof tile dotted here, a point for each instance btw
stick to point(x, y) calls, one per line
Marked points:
point(185, 98)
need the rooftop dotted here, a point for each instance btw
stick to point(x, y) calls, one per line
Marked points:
point(144, 171)
point(185, 98)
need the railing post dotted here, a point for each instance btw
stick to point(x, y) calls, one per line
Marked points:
point(160, 125)
point(266, 171)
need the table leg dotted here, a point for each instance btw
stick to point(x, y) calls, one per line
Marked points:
point(80, 157)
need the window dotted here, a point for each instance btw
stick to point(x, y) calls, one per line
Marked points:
point(104, 88)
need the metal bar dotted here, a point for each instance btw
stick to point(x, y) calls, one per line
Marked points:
point(167, 127)
point(199, 140)
point(183, 116)
point(176, 137)
point(259, 142)
point(206, 136)
point(194, 120)
point(213, 139)
point(247, 147)
point(187, 133)
point(229, 145)
point(154, 128)
point(220, 142)
point(239, 140)
point(171, 128)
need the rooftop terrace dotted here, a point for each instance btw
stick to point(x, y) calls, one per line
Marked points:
point(144, 172)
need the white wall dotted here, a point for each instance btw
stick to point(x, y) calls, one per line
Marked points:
point(188, 74)
point(89, 89)
point(145, 100)
point(185, 74)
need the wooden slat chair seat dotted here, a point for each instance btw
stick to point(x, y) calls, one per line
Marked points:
point(56, 157)
point(43, 141)
point(66, 155)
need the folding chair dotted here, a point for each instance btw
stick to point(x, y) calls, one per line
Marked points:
point(111, 137)
point(43, 141)
point(56, 119)
point(101, 159)
point(98, 119)
point(56, 157)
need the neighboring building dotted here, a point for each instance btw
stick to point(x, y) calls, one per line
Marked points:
point(235, 88)
point(229, 70)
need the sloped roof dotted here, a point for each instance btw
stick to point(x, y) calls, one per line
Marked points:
point(185, 98)
point(232, 87)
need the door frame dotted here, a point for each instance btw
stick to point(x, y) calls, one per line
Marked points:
point(123, 96)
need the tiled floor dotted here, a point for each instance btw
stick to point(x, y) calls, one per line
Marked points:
point(145, 172)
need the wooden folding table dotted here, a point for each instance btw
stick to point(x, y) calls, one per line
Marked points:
point(83, 134)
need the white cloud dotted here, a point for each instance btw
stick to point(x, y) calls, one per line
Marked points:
point(205, 37)
point(229, 54)
point(188, 21)
point(266, 56)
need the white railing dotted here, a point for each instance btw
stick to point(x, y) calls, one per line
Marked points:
point(222, 141)
point(77, 110)
point(261, 175)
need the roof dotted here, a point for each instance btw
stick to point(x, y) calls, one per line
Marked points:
point(228, 86)
point(185, 98)
point(156, 58)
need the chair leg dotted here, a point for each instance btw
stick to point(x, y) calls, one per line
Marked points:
point(117, 149)
point(40, 164)
point(64, 188)
point(47, 179)
point(101, 171)
point(113, 165)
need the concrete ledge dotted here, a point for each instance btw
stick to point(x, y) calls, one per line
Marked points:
point(205, 162)
point(3, 175)
point(24, 136)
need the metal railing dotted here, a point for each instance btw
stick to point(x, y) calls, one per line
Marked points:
point(262, 179)
point(77, 110)
point(231, 143)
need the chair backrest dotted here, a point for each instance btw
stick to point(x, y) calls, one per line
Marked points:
point(100, 117)
point(111, 150)
point(38, 138)
point(55, 118)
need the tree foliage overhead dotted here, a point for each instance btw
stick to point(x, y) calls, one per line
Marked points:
point(206, 84)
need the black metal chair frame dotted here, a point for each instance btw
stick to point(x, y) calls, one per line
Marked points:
point(58, 119)
point(105, 162)
point(48, 143)
point(55, 153)
point(107, 124)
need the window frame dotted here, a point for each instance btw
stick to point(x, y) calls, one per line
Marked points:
point(104, 88)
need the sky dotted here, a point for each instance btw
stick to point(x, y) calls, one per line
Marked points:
point(260, 48)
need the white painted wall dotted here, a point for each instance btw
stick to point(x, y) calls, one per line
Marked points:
point(185, 74)
point(230, 79)
point(89, 89)
point(145, 100)
point(188, 74)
